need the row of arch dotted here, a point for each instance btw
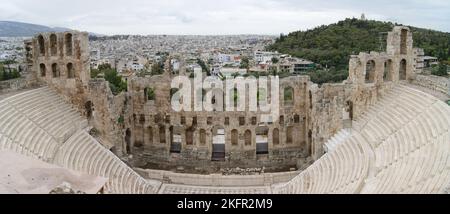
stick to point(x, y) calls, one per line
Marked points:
point(261, 135)
point(388, 73)
point(68, 45)
point(288, 95)
point(56, 71)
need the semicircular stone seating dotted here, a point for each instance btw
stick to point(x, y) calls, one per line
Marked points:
point(399, 145)
point(40, 124)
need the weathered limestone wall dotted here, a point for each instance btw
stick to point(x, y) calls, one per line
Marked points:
point(104, 112)
point(217, 179)
point(62, 61)
point(155, 117)
point(435, 83)
point(145, 129)
point(13, 85)
point(327, 115)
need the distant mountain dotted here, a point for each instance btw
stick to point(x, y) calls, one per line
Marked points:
point(333, 44)
point(19, 29)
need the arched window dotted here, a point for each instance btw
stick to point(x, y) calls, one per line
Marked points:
point(55, 70)
point(70, 72)
point(189, 137)
point(202, 137)
point(370, 72)
point(387, 75)
point(150, 134)
point(289, 135)
point(402, 72)
point(288, 96)
point(248, 138)
point(404, 41)
point(43, 70)
point(68, 44)
point(53, 45)
point(234, 137)
point(296, 118)
point(149, 93)
point(276, 137)
point(162, 134)
point(41, 43)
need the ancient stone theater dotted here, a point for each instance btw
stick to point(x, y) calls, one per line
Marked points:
point(376, 132)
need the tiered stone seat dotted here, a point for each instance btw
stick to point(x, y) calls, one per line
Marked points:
point(400, 145)
point(49, 111)
point(337, 139)
point(184, 189)
point(26, 136)
point(340, 171)
point(83, 153)
point(40, 124)
point(414, 158)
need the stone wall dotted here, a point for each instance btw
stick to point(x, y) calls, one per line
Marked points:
point(13, 85)
point(435, 83)
point(61, 60)
point(266, 179)
point(105, 112)
point(143, 128)
point(151, 118)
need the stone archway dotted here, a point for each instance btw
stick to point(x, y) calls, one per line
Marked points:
point(402, 70)
point(88, 107)
point(128, 141)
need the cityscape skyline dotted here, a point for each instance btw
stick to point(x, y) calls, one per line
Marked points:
point(200, 17)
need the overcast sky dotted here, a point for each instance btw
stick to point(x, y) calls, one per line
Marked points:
point(219, 16)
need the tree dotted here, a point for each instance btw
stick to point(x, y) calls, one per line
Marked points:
point(105, 66)
point(440, 70)
point(245, 63)
point(157, 68)
point(203, 66)
point(116, 83)
point(275, 60)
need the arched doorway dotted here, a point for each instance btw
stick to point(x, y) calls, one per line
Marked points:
point(218, 144)
point(402, 71)
point(175, 139)
point(248, 137)
point(387, 75)
point(43, 70)
point(262, 140)
point(128, 141)
point(162, 134)
point(70, 72)
point(88, 108)
point(276, 137)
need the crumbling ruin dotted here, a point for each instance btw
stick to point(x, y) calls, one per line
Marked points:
point(153, 133)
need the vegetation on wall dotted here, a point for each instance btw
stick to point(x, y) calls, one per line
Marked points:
point(116, 84)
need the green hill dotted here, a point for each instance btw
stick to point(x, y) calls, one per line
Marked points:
point(331, 45)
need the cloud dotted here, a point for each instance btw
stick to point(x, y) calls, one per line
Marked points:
point(219, 17)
